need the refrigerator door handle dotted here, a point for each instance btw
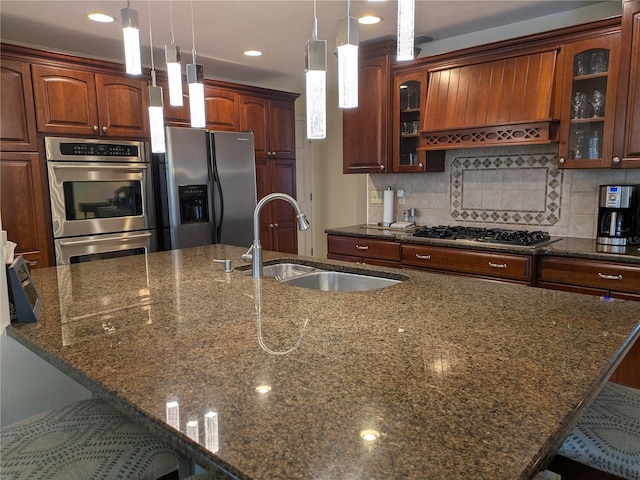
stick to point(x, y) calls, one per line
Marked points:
point(217, 227)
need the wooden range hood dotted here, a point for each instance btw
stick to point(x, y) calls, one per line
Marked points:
point(508, 101)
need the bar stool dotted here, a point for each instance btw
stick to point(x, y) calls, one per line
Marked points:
point(84, 440)
point(606, 441)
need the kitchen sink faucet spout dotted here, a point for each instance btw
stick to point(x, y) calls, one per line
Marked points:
point(254, 254)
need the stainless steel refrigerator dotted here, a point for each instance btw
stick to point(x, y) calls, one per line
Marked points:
point(206, 188)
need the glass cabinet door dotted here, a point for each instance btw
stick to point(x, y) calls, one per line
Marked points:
point(586, 139)
point(408, 95)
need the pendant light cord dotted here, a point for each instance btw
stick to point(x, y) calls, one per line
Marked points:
point(153, 68)
point(193, 35)
point(314, 33)
point(173, 40)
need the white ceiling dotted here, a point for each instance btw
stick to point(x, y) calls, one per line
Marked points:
point(224, 29)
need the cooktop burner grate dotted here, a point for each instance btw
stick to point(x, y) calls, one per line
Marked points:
point(486, 235)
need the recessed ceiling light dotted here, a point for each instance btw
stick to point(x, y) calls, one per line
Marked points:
point(369, 20)
point(100, 17)
point(252, 53)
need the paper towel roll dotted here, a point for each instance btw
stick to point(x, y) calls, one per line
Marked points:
point(387, 213)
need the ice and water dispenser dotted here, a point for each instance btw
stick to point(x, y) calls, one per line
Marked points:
point(194, 206)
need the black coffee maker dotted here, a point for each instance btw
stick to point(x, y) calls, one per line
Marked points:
point(618, 215)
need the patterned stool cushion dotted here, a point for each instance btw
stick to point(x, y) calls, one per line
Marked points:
point(83, 440)
point(607, 436)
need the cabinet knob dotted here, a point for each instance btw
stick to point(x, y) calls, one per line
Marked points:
point(616, 159)
point(420, 165)
point(561, 160)
point(95, 128)
point(275, 225)
point(381, 167)
point(104, 129)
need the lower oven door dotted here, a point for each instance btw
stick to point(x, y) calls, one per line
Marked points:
point(98, 247)
point(90, 198)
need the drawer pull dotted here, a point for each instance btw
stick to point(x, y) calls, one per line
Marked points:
point(497, 265)
point(362, 247)
point(609, 277)
point(423, 257)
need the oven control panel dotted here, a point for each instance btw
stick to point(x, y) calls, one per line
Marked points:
point(99, 149)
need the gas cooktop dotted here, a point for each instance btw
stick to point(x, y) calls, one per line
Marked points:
point(486, 235)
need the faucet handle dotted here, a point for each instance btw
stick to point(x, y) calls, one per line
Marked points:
point(248, 257)
point(227, 265)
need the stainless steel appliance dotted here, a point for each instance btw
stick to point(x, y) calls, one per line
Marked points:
point(618, 215)
point(101, 198)
point(206, 188)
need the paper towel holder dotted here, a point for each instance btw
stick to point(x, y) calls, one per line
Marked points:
point(387, 215)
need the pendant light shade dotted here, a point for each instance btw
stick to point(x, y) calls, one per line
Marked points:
point(347, 41)
point(131, 34)
point(406, 23)
point(174, 73)
point(316, 83)
point(195, 75)
point(156, 119)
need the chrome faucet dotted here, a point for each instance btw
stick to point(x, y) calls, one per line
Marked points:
point(254, 254)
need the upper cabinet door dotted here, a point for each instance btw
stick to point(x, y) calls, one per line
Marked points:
point(221, 109)
point(65, 101)
point(123, 104)
point(17, 115)
point(254, 117)
point(626, 152)
point(589, 94)
point(282, 130)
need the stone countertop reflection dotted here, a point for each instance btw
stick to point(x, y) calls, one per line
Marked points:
point(461, 378)
point(562, 246)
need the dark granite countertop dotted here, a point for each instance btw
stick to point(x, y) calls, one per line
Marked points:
point(561, 246)
point(462, 378)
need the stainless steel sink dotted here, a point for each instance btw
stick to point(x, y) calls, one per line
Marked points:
point(283, 271)
point(339, 281)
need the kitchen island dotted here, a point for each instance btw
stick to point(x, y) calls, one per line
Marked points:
point(453, 377)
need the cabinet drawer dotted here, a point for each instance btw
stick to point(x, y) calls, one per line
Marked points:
point(363, 247)
point(590, 273)
point(506, 266)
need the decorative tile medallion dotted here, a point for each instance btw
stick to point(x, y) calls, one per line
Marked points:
point(511, 189)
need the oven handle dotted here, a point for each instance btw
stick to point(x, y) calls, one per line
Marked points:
point(66, 243)
point(99, 166)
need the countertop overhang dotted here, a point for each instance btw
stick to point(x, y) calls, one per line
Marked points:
point(462, 378)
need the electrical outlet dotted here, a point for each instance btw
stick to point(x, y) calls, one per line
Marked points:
point(401, 200)
point(375, 196)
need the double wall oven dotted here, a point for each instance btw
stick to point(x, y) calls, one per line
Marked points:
point(101, 198)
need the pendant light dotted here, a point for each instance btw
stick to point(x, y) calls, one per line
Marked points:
point(156, 111)
point(195, 76)
point(316, 83)
point(174, 67)
point(347, 41)
point(131, 34)
point(406, 21)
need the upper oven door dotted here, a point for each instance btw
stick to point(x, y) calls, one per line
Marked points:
point(89, 198)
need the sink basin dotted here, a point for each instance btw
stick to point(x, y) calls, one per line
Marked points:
point(339, 281)
point(282, 271)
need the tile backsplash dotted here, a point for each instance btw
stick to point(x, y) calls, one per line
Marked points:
point(508, 187)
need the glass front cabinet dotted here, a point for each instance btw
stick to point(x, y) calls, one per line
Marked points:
point(408, 94)
point(587, 118)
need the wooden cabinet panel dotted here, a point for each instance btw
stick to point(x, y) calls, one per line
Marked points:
point(628, 372)
point(65, 101)
point(123, 105)
point(366, 129)
point(23, 204)
point(17, 115)
point(484, 264)
point(254, 117)
point(363, 247)
point(627, 128)
point(75, 102)
point(176, 116)
point(221, 109)
point(606, 276)
point(282, 134)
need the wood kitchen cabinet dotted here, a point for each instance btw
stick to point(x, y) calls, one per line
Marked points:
point(77, 102)
point(409, 90)
point(25, 207)
point(17, 115)
point(221, 108)
point(272, 122)
point(626, 149)
point(363, 250)
point(367, 128)
point(589, 85)
point(492, 265)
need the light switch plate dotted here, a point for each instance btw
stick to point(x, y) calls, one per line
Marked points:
point(375, 196)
